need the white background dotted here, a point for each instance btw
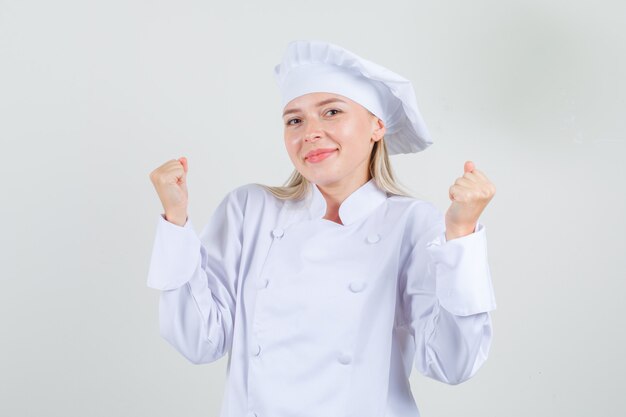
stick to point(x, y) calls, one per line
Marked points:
point(96, 94)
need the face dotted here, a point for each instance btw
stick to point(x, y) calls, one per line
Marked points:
point(333, 123)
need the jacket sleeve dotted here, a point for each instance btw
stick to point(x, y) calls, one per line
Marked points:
point(446, 298)
point(197, 276)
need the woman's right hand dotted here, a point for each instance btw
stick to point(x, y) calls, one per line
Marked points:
point(170, 182)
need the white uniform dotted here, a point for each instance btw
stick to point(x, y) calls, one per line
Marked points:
point(319, 318)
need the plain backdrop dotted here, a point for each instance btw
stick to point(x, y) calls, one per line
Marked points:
point(96, 94)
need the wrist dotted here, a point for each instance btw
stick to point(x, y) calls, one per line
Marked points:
point(455, 232)
point(176, 218)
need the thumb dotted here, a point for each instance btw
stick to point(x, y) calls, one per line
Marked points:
point(469, 166)
point(183, 161)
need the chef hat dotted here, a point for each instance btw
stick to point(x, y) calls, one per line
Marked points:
point(317, 66)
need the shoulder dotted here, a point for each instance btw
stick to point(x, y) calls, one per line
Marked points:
point(252, 196)
point(421, 220)
point(418, 212)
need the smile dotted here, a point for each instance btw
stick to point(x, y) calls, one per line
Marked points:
point(321, 156)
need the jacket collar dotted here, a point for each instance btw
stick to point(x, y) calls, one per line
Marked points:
point(360, 203)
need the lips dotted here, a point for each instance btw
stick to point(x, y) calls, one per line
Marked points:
point(315, 152)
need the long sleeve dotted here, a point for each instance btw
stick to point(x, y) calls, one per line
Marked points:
point(447, 295)
point(197, 276)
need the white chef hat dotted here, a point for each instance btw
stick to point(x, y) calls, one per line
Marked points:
point(310, 66)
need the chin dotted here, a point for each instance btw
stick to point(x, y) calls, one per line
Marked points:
point(321, 176)
point(323, 180)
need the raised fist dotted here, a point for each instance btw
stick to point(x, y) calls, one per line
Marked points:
point(469, 194)
point(170, 182)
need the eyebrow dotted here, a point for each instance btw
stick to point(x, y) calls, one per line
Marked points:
point(321, 103)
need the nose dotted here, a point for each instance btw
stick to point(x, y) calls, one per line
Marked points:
point(311, 138)
point(312, 132)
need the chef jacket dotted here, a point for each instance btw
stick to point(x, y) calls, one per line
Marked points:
point(321, 318)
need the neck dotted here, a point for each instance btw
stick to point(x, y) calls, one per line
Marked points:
point(336, 193)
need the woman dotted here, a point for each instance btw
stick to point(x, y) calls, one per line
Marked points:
point(327, 291)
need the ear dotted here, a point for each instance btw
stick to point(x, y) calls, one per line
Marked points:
point(379, 129)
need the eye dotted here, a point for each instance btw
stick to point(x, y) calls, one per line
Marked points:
point(337, 110)
point(291, 120)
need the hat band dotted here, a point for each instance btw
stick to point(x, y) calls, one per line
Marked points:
point(313, 78)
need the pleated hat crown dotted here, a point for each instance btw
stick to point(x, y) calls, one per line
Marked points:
point(310, 66)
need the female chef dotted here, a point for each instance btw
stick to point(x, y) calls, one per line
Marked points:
point(328, 291)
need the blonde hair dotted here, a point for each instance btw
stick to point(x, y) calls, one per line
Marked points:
point(296, 186)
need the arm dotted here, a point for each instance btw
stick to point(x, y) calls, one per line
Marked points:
point(197, 277)
point(446, 298)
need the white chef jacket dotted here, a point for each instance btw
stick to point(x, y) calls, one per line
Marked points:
point(320, 318)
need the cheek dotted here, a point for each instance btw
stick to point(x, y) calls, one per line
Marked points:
point(292, 148)
point(352, 135)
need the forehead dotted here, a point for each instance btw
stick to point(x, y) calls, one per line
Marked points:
point(315, 100)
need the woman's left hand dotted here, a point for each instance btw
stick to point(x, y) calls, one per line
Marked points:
point(470, 194)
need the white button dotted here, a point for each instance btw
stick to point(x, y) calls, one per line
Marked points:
point(256, 351)
point(263, 283)
point(356, 286)
point(344, 358)
point(373, 238)
point(278, 232)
